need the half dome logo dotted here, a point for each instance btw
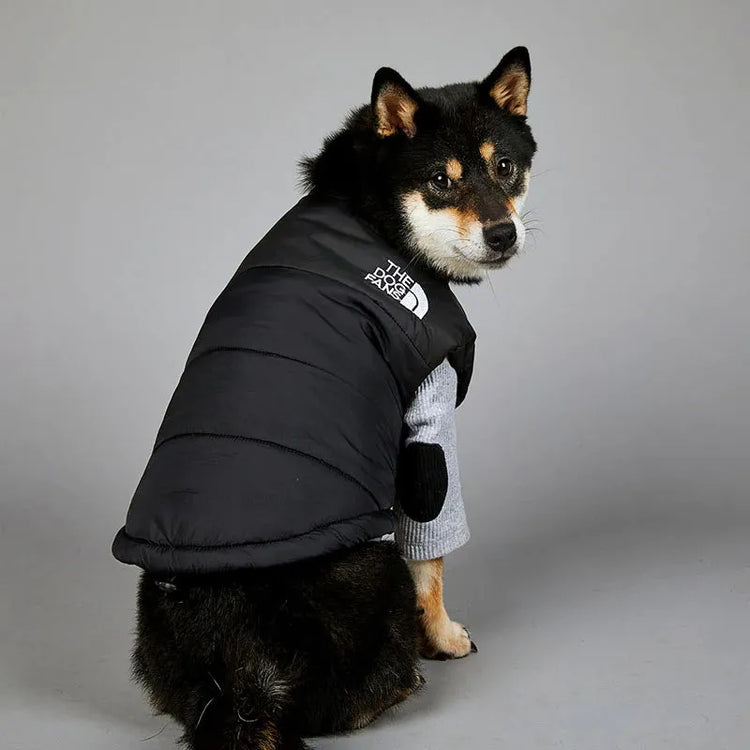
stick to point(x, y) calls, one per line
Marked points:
point(399, 285)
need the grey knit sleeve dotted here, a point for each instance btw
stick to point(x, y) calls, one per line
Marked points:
point(430, 419)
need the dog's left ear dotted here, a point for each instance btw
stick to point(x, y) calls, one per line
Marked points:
point(508, 84)
point(394, 104)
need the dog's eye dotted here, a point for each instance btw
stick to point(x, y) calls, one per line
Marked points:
point(504, 167)
point(441, 181)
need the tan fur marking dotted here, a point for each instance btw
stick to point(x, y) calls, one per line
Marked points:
point(395, 110)
point(269, 738)
point(487, 150)
point(440, 635)
point(453, 169)
point(464, 218)
point(511, 206)
point(511, 91)
point(438, 236)
point(432, 598)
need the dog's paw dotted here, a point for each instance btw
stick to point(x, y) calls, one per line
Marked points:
point(448, 640)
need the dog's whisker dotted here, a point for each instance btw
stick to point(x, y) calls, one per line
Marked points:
point(146, 739)
point(489, 279)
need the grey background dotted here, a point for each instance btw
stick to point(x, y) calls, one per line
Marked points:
point(605, 445)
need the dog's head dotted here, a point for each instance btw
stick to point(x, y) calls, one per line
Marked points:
point(459, 158)
point(443, 172)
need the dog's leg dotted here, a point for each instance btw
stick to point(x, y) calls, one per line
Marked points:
point(361, 721)
point(441, 638)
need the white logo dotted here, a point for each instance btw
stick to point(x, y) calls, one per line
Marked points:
point(399, 285)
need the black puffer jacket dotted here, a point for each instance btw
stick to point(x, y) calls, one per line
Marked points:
point(282, 438)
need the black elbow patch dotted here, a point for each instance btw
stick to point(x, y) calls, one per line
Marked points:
point(422, 481)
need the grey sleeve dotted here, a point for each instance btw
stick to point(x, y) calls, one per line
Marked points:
point(430, 419)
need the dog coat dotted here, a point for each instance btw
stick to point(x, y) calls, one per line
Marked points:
point(284, 438)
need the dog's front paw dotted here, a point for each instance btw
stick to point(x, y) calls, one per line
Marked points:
point(446, 640)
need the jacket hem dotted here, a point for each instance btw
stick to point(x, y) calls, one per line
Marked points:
point(163, 558)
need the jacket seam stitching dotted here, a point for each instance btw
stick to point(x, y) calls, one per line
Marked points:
point(263, 352)
point(271, 443)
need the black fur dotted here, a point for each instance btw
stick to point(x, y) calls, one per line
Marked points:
point(259, 659)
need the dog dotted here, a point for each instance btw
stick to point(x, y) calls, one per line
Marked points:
point(262, 657)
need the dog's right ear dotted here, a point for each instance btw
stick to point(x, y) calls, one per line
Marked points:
point(394, 104)
point(508, 84)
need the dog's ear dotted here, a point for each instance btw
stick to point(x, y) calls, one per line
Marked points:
point(508, 84)
point(394, 104)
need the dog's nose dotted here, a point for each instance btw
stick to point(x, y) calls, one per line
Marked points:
point(500, 237)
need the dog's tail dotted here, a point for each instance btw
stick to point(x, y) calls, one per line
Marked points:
point(247, 713)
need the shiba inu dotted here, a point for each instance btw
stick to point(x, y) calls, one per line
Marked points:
point(319, 630)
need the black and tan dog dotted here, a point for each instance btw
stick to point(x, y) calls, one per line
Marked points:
point(263, 657)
